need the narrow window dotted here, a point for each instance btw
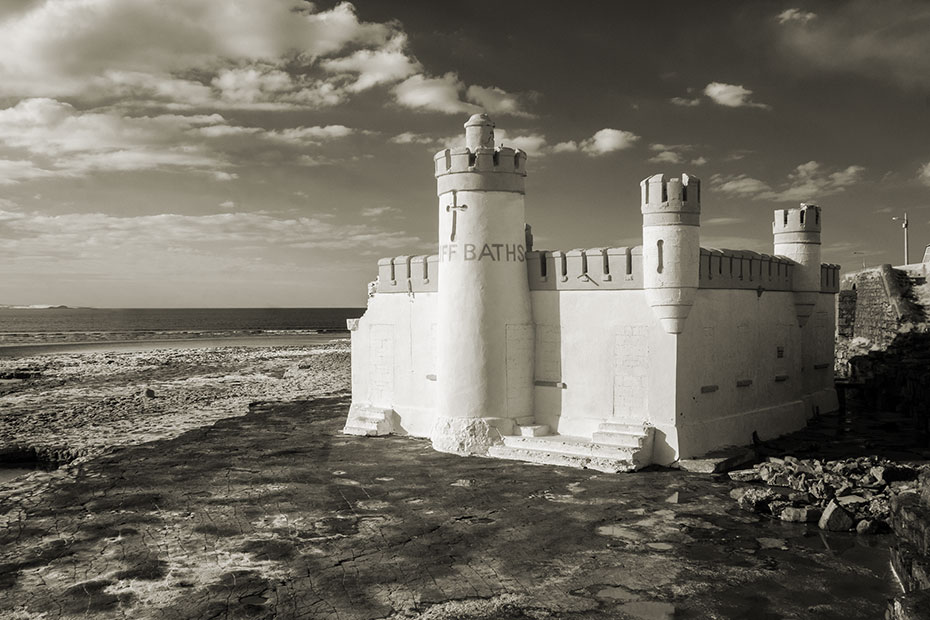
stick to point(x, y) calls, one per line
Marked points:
point(472, 159)
point(606, 263)
point(542, 264)
point(664, 193)
point(785, 212)
point(659, 245)
point(629, 261)
point(802, 216)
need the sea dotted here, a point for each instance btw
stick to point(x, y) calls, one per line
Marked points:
point(39, 330)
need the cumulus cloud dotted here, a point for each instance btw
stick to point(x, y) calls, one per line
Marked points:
point(884, 40)
point(379, 211)
point(923, 174)
point(731, 95)
point(372, 67)
point(494, 100)
point(698, 161)
point(434, 94)
point(795, 15)
point(807, 182)
point(608, 141)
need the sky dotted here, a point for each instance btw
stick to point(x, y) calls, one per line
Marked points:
point(265, 153)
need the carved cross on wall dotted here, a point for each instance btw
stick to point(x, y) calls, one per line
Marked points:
point(455, 207)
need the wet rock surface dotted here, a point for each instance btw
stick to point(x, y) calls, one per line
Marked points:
point(276, 515)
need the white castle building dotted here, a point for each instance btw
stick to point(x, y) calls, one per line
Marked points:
point(608, 358)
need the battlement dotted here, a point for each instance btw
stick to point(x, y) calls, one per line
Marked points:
point(802, 219)
point(680, 196)
point(482, 159)
point(408, 274)
point(586, 269)
point(744, 269)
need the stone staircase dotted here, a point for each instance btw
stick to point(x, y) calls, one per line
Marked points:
point(370, 421)
point(612, 448)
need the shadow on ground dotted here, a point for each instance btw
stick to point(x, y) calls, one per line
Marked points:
point(277, 515)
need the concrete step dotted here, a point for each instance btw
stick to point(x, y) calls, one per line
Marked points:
point(626, 440)
point(564, 444)
point(533, 430)
point(607, 465)
point(364, 419)
point(622, 427)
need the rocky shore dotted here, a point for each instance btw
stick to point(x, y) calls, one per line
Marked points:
point(55, 409)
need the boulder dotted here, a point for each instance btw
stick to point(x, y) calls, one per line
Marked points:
point(835, 518)
point(804, 514)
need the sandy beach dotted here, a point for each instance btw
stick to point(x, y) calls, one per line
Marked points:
point(83, 401)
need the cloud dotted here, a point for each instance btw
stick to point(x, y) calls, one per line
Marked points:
point(722, 221)
point(565, 147)
point(886, 41)
point(99, 237)
point(807, 182)
point(684, 101)
point(698, 161)
point(731, 95)
point(434, 94)
point(739, 185)
point(378, 211)
point(608, 141)
point(445, 94)
point(666, 157)
point(531, 143)
point(16, 170)
point(496, 101)
point(923, 174)
point(795, 15)
point(409, 137)
point(228, 204)
point(60, 140)
point(373, 67)
point(93, 38)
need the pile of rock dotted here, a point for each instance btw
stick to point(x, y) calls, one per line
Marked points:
point(839, 495)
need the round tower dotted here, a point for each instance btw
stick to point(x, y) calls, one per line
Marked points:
point(485, 334)
point(671, 247)
point(797, 236)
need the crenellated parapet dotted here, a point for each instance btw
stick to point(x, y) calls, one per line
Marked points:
point(593, 269)
point(829, 278)
point(744, 269)
point(479, 165)
point(408, 274)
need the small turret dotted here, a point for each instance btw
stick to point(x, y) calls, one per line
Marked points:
point(797, 236)
point(671, 246)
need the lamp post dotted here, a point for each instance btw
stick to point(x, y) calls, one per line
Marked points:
point(904, 226)
point(863, 260)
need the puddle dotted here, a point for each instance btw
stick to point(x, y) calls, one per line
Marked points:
point(649, 610)
point(8, 473)
point(618, 531)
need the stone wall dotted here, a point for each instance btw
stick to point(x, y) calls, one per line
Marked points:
point(846, 313)
point(874, 314)
point(910, 555)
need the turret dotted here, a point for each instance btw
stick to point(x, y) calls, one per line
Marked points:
point(797, 236)
point(671, 247)
point(485, 332)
